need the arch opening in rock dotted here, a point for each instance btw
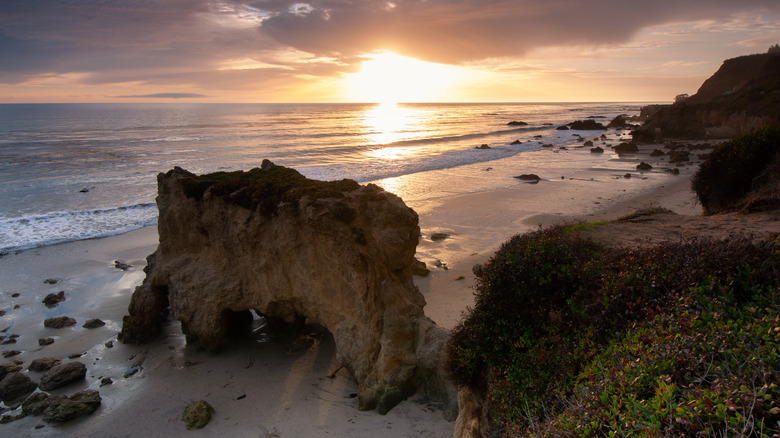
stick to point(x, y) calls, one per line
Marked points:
point(271, 240)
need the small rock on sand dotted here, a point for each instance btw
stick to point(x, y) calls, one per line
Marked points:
point(59, 322)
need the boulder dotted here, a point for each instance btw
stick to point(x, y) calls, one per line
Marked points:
point(93, 323)
point(626, 148)
point(38, 402)
point(51, 300)
point(62, 375)
point(289, 248)
point(529, 178)
point(517, 142)
point(15, 386)
point(596, 150)
point(42, 364)
point(587, 125)
point(620, 121)
point(45, 341)
point(643, 166)
point(657, 153)
point(78, 405)
point(9, 367)
point(121, 265)
point(59, 322)
point(483, 146)
point(197, 415)
point(679, 156)
point(517, 123)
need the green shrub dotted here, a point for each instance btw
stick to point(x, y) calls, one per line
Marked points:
point(554, 309)
point(264, 189)
point(734, 169)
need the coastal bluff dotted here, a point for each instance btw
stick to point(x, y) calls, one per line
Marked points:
point(292, 249)
point(742, 96)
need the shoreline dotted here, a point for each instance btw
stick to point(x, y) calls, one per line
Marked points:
point(257, 388)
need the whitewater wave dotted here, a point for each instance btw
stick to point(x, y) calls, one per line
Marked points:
point(34, 231)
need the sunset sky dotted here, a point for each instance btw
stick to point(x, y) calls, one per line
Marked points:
point(372, 50)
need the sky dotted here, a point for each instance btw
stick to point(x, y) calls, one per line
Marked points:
point(372, 50)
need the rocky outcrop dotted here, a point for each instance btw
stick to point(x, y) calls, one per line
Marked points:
point(742, 96)
point(270, 240)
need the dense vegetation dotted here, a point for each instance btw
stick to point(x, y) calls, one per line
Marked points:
point(265, 188)
point(742, 174)
point(572, 338)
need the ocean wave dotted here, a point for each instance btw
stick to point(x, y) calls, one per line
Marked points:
point(33, 231)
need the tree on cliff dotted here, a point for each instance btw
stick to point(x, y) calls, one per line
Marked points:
point(774, 49)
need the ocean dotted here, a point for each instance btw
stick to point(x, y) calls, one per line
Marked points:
point(79, 171)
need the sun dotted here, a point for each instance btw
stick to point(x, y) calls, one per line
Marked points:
point(390, 78)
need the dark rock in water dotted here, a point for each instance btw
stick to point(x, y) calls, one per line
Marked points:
point(93, 323)
point(547, 145)
point(62, 375)
point(84, 190)
point(483, 146)
point(627, 176)
point(15, 385)
point(106, 381)
point(674, 171)
point(626, 148)
point(59, 322)
point(420, 269)
point(439, 236)
point(679, 156)
point(122, 266)
point(52, 300)
point(78, 405)
point(109, 344)
point(16, 295)
point(587, 125)
point(11, 353)
point(8, 341)
point(529, 177)
point(42, 364)
point(517, 123)
point(596, 150)
point(9, 367)
point(657, 153)
point(45, 341)
point(517, 142)
point(51, 280)
point(643, 166)
point(562, 128)
point(588, 143)
point(619, 122)
point(197, 415)
point(38, 402)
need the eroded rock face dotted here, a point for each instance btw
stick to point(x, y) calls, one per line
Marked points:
point(272, 241)
point(742, 96)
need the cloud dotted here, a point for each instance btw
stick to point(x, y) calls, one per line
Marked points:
point(165, 96)
point(189, 43)
point(460, 31)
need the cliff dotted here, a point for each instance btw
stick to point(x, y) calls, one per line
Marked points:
point(741, 97)
point(270, 240)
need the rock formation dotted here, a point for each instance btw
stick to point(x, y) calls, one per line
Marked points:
point(742, 96)
point(290, 248)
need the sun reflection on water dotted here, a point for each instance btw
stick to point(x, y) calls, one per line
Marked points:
point(388, 123)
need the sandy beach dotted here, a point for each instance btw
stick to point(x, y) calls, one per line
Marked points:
point(259, 389)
